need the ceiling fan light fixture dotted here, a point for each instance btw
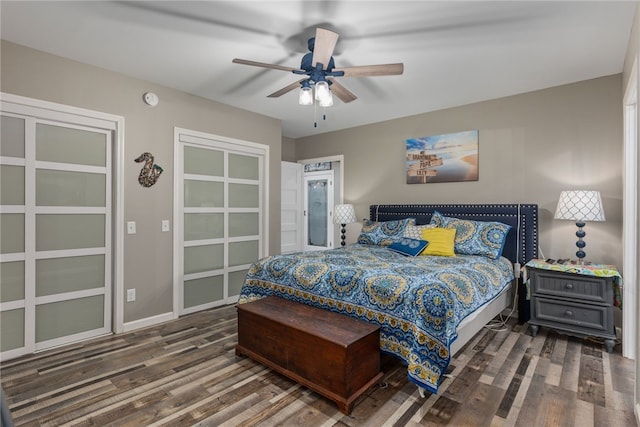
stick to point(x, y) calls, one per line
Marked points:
point(305, 96)
point(326, 101)
point(322, 91)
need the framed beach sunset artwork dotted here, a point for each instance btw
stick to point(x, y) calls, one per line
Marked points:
point(443, 158)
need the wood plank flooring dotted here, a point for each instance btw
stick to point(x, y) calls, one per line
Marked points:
point(186, 373)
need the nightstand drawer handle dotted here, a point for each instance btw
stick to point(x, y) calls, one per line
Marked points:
point(568, 313)
point(568, 286)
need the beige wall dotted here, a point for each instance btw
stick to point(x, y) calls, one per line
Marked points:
point(288, 149)
point(532, 146)
point(149, 253)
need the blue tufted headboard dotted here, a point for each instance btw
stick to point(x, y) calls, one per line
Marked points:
point(522, 240)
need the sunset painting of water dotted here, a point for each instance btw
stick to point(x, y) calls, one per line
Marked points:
point(443, 158)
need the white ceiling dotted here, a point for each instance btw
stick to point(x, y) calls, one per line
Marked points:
point(454, 52)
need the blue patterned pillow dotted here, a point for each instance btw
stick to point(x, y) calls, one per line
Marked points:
point(475, 237)
point(383, 233)
point(407, 246)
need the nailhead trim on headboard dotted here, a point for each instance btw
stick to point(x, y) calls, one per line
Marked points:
point(522, 240)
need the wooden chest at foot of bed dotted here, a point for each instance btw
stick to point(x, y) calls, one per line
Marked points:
point(333, 354)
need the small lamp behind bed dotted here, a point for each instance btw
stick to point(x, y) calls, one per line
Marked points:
point(580, 206)
point(343, 215)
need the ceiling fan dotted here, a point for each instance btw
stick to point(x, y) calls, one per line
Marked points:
point(318, 65)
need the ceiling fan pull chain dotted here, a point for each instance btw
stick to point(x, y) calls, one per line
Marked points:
point(315, 114)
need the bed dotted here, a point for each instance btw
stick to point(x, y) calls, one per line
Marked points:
point(427, 307)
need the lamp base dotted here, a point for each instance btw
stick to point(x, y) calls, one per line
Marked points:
point(343, 237)
point(580, 243)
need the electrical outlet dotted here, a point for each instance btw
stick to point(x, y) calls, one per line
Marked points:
point(131, 227)
point(165, 225)
point(131, 295)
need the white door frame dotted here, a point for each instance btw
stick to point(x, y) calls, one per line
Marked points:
point(182, 137)
point(115, 124)
point(338, 181)
point(630, 225)
point(630, 217)
point(340, 159)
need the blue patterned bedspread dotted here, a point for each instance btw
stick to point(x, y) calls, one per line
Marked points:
point(417, 301)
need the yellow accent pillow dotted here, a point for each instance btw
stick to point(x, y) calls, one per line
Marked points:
point(441, 241)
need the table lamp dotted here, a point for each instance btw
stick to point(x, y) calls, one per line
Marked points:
point(580, 206)
point(343, 215)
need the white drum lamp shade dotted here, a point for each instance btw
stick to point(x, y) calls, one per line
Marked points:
point(580, 206)
point(343, 215)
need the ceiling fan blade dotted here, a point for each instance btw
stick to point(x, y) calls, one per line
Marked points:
point(285, 89)
point(373, 70)
point(323, 48)
point(344, 94)
point(262, 64)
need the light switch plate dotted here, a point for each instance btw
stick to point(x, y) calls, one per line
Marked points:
point(131, 227)
point(131, 295)
point(165, 225)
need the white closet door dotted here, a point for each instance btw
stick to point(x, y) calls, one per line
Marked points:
point(55, 245)
point(221, 222)
point(291, 203)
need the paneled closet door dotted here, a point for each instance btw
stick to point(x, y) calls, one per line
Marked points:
point(56, 234)
point(15, 316)
point(222, 219)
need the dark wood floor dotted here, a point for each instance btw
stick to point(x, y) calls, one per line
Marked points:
point(185, 372)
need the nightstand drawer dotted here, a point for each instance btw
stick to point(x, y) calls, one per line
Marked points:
point(573, 316)
point(577, 287)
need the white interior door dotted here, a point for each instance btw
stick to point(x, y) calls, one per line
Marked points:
point(291, 200)
point(318, 210)
point(55, 232)
point(220, 217)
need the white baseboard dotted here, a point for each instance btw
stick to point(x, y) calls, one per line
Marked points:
point(148, 321)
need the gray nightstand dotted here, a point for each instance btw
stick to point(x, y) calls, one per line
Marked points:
point(577, 304)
